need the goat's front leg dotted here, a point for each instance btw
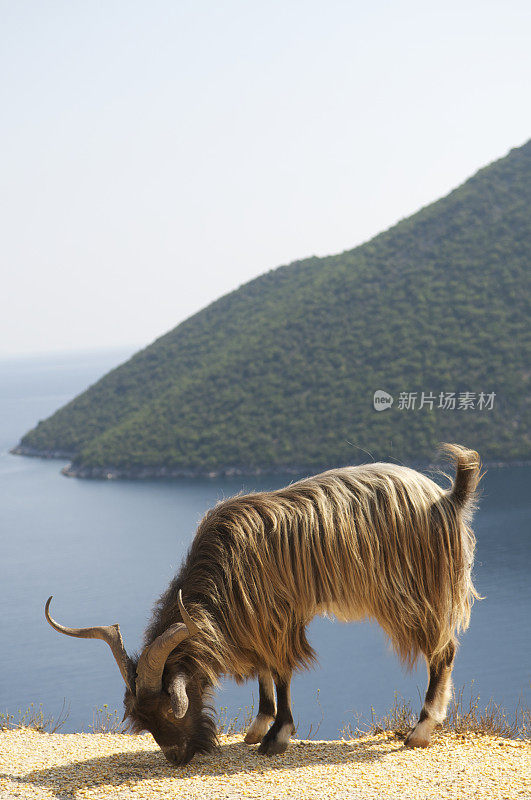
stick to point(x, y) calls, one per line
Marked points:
point(436, 701)
point(277, 738)
point(266, 709)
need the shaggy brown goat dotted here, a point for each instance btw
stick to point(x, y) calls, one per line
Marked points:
point(380, 541)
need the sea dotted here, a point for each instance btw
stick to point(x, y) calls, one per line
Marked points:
point(107, 549)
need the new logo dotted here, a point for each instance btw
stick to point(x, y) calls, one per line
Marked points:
point(381, 400)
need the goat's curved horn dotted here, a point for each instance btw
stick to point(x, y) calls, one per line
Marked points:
point(151, 662)
point(188, 621)
point(108, 633)
point(178, 696)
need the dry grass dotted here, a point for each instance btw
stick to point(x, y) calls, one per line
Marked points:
point(470, 717)
point(228, 726)
point(34, 719)
point(464, 716)
point(106, 721)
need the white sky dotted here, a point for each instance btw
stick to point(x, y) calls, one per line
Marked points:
point(155, 155)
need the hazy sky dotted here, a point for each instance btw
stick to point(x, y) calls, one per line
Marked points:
point(158, 154)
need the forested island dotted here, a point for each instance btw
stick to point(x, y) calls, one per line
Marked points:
point(281, 373)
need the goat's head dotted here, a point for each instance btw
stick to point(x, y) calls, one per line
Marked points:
point(167, 702)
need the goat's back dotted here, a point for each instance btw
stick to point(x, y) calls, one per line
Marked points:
point(380, 541)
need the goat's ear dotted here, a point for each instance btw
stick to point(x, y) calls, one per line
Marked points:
point(178, 696)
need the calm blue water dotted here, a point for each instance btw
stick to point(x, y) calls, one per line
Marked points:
point(106, 550)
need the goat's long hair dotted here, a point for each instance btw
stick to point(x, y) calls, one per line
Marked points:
point(378, 541)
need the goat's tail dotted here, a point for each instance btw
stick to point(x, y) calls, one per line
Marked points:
point(464, 491)
point(462, 496)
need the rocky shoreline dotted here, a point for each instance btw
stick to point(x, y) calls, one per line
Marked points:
point(169, 473)
point(110, 472)
point(32, 452)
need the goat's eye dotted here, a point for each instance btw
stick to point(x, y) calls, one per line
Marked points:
point(167, 710)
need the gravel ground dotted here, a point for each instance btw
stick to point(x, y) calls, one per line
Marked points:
point(41, 765)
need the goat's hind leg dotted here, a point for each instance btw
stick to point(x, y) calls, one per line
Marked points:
point(266, 709)
point(436, 700)
point(277, 738)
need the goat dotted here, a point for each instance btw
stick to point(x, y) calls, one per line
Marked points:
point(377, 541)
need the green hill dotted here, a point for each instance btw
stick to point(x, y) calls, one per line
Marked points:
point(281, 372)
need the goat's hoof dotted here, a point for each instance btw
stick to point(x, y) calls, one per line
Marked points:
point(417, 738)
point(274, 747)
point(276, 741)
point(258, 729)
